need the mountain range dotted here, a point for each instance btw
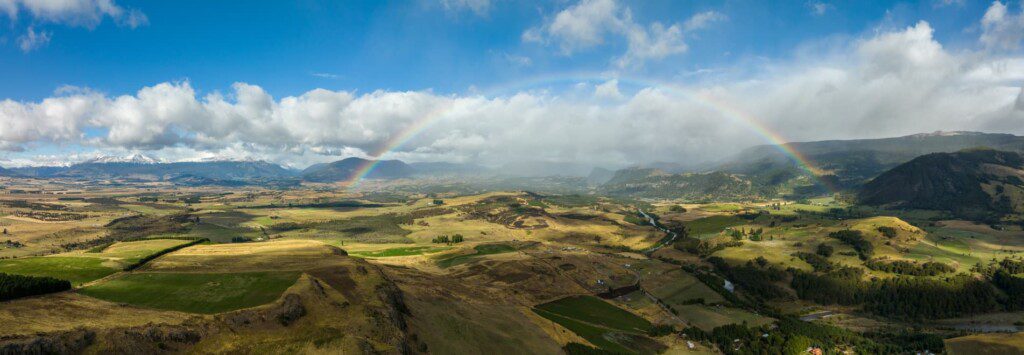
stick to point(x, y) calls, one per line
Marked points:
point(855, 161)
point(764, 171)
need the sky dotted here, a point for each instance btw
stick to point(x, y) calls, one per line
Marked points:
point(598, 82)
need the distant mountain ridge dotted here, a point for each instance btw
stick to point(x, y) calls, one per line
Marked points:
point(346, 169)
point(858, 160)
point(975, 183)
point(151, 170)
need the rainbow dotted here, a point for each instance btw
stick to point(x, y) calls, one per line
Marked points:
point(724, 108)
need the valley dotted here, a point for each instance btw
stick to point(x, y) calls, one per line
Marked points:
point(416, 265)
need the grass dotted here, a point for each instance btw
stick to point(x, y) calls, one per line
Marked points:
point(721, 207)
point(713, 224)
point(597, 312)
point(78, 270)
point(594, 320)
point(678, 287)
point(480, 250)
point(220, 234)
point(710, 317)
point(594, 334)
point(195, 292)
point(369, 229)
point(986, 344)
point(131, 252)
point(404, 251)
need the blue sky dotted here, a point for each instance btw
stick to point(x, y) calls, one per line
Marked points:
point(213, 79)
point(409, 45)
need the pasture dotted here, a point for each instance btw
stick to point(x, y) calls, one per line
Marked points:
point(401, 251)
point(205, 293)
point(479, 251)
point(76, 269)
point(597, 321)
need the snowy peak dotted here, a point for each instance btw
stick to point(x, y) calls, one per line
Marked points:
point(136, 158)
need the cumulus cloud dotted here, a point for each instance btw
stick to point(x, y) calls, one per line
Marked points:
point(589, 23)
point(33, 40)
point(80, 13)
point(893, 82)
point(1002, 29)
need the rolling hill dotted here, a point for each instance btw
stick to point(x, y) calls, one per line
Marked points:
point(975, 183)
point(654, 183)
point(345, 169)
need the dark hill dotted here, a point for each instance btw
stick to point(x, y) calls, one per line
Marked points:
point(858, 160)
point(345, 169)
point(974, 184)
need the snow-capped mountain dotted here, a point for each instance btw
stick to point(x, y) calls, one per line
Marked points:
point(136, 158)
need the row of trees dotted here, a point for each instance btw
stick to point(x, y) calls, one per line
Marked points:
point(17, 286)
point(758, 277)
point(445, 239)
point(904, 267)
point(793, 337)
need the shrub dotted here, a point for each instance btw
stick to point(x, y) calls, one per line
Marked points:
point(825, 250)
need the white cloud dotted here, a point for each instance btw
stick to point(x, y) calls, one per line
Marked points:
point(818, 8)
point(478, 7)
point(944, 3)
point(589, 23)
point(703, 20)
point(1001, 29)
point(891, 83)
point(656, 43)
point(518, 60)
point(585, 24)
point(33, 40)
point(325, 75)
point(608, 90)
point(80, 13)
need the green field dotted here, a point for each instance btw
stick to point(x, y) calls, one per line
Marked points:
point(220, 234)
point(678, 287)
point(597, 312)
point(721, 207)
point(78, 270)
point(480, 250)
point(713, 224)
point(594, 320)
point(194, 292)
point(403, 251)
point(131, 252)
point(710, 317)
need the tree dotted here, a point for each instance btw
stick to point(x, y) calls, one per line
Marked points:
point(796, 345)
point(825, 250)
point(438, 202)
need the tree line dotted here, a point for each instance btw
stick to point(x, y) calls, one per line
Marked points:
point(17, 286)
